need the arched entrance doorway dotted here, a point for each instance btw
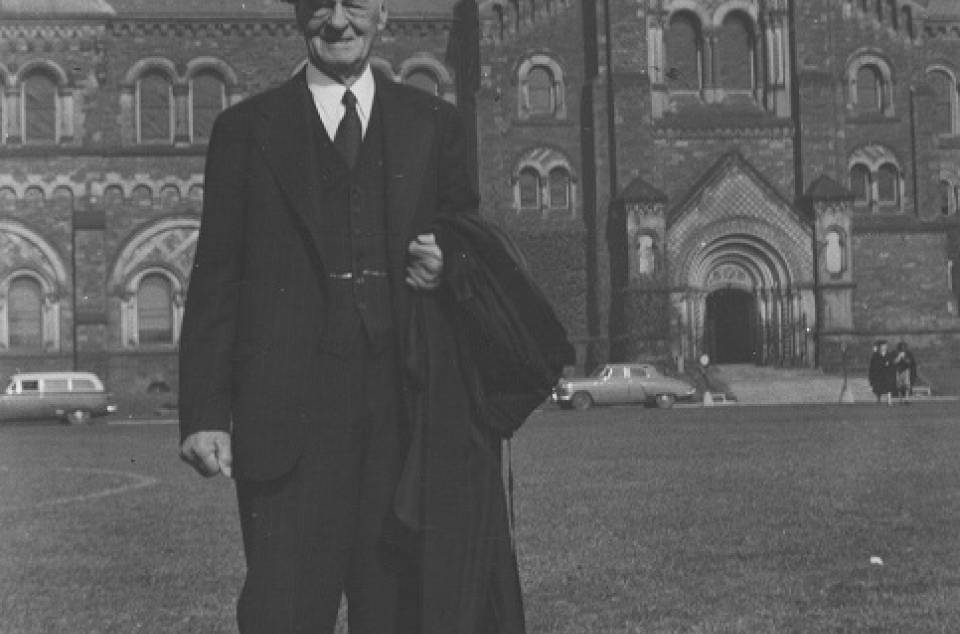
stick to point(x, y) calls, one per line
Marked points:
point(731, 326)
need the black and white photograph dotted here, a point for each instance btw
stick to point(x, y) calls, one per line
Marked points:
point(479, 316)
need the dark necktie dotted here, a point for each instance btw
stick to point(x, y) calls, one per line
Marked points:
point(349, 133)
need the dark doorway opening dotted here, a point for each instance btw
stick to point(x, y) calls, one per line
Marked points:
point(731, 326)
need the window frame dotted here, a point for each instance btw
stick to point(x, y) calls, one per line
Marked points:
point(885, 82)
point(171, 286)
point(43, 72)
point(192, 110)
point(9, 290)
point(558, 109)
point(147, 73)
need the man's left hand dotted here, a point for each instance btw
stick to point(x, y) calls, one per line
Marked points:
point(425, 263)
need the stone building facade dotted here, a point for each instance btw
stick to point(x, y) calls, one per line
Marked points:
point(767, 181)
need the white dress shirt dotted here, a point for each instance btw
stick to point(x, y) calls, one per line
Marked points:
point(328, 98)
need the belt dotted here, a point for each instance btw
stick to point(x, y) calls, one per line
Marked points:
point(349, 275)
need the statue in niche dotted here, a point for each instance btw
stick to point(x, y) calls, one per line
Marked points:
point(644, 255)
point(833, 253)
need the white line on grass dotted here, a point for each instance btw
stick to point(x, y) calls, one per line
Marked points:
point(138, 482)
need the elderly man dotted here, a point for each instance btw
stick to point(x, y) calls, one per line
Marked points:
point(313, 244)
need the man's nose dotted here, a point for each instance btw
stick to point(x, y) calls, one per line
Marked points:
point(338, 16)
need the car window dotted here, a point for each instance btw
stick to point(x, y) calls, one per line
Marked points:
point(55, 385)
point(84, 385)
point(638, 372)
point(12, 387)
point(30, 386)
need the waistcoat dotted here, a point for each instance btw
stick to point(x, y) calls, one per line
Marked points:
point(352, 213)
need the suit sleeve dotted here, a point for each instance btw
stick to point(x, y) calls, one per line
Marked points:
point(211, 311)
point(456, 188)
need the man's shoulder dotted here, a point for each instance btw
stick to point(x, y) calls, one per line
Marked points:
point(269, 101)
point(417, 98)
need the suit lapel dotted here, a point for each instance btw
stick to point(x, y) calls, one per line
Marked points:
point(286, 140)
point(285, 137)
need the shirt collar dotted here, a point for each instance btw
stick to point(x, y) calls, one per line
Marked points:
point(328, 95)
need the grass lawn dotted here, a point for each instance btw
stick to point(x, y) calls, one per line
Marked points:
point(629, 520)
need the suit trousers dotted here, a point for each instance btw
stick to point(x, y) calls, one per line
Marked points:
point(316, 533)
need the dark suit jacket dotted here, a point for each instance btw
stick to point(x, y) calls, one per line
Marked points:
point(253, 327)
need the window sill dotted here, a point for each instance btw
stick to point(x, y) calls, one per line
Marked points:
point(542, 122)
point(948, 141)
point(871, 118)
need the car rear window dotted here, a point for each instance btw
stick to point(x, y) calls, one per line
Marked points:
point(55, 385)
point(84, 385)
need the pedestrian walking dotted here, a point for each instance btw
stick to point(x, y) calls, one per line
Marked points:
point(905, 367)
point(881, 374)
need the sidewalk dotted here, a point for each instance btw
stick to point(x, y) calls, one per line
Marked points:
point(755, 385)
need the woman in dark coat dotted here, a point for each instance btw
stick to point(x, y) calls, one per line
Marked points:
point(882, 374)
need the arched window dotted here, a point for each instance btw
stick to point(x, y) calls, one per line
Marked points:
point(209, 97)
point(169, 196)
point(63, 199)
point(894, 15)
point(154, 108)
point(684, 50)
point(540, 90)
point(34, 197)
point(195, 195)
point(142, 196)
point(529, 188)
point(424, 79)
point(944, 100)
point(860, 184)
point(559, 188)
point(155, 310)
point(8, 199)
point(39, 108)
point(906, 19)
point(112, 196)
point(515, 6)
point(888, 184)
point(25, 309)
point(833, 252)
point(869, 89)
point(735, 53)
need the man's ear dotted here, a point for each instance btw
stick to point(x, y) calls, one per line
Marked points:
point(382, 23)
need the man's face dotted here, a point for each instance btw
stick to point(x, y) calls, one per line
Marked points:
point(340, 33)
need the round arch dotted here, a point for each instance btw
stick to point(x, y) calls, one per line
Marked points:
point(43, 65)
point(162, 64)
point(200, 64)
point(168, 243)
point(744, 299)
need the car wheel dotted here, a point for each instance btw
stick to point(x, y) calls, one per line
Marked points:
point(78, 417)
point(581, 400)
point(665, 401)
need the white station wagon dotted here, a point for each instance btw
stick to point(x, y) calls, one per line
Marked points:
point(74, 397)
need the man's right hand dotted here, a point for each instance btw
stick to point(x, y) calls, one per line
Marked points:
point(208, 452)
